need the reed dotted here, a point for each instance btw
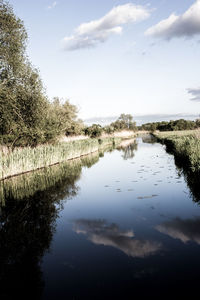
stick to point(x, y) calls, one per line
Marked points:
point(185, 145)
point(23, 160)
point(26, 185)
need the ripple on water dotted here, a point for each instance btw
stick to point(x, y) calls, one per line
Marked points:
point(147, 197)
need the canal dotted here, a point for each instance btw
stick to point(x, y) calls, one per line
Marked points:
point(120, 224)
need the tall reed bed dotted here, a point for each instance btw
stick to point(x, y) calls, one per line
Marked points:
point(26, 185)
point(22, 160)
point(185, 145)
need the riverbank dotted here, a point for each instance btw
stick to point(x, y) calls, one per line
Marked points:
point(124, 134)
point(63, 174)
point(27, 159)
point(185, 145)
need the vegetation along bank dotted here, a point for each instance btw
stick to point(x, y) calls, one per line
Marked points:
point(25, 159)
point(185, 145)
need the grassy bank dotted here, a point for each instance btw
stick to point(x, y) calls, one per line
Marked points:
point(185, 145)
point(22, 160)
point(62, 175)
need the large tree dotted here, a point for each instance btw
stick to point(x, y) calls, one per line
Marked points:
point(13, 39)
point(62, 118)
point(26, 115)
point(22, 100)
point(125, 121)
point(12, 47)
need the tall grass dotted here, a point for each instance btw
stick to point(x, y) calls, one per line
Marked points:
point(22, 160)
point(185, 145)
point(26, 185)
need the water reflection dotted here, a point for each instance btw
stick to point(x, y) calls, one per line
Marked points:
point(27, 185)
point(101, 233)
point(30, 226)
point(128, 147)
point(191, 178)
point(26, 230)
point(149, 139)
point(27, 223)
point(193, 184)
point(185, 230)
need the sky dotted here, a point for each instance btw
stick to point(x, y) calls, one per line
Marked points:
point(114, 56)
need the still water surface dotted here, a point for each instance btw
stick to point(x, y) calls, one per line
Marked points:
point(124, 225)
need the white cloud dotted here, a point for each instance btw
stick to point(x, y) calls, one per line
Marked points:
point(98, 31)
point(185, 25)
point(52, 5)
point(195, 94)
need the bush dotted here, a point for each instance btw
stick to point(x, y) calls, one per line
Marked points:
point(94, 131)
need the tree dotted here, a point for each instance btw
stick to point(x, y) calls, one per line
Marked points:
point(13, 39)
point(197, 122)
point(22, 100)
point(12, 47)
point(26, 115)
point(171, 125)
point(109, 129)
point(125, 121)
point(94, 131)
point(61, 119)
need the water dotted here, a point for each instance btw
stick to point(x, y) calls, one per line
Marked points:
point(122, 225)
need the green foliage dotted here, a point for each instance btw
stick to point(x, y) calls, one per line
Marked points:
point(26, 115)
point(186, 147)
point(171, 125)
point(109, 129)
point(124, 122)
point(197, 122)
point(94, 131)
point(22, 100)
point(12, 46)
point(61, 119)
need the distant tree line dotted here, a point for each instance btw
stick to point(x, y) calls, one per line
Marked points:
point(124, 122)
point(27, 117)
point(171, 125)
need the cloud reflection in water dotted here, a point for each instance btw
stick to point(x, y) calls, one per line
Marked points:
point(101, 233)
point(184, 230)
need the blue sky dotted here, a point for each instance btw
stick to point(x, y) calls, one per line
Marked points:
point(125, 61)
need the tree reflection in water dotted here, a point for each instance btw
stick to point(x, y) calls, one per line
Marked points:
point(128, 148)
point(191, 178)
point(30, 206)
point(149, 139)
